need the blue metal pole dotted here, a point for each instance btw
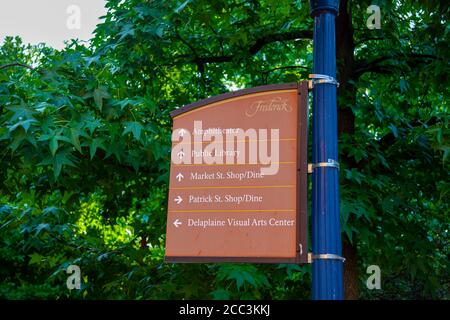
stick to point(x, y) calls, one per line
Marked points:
point(327, 271)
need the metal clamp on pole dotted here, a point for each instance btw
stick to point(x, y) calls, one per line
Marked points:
point(321, 78)
point(331, 164)
point(324, 256)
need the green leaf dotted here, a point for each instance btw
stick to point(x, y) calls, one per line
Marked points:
point(36, 258)
point(394, 130)
point(125, 102)
point(62, 158)
point(127, 30)
point(220, 294)
point(59, 161)
point(74, 138)
point(53, 145)
point(19, 136)
point(439, 134)
point(24, 124)
point(40, 227)
point(21, 112)
point(53, 139)
point(96, 143)
point(134, 127)
point(446, 150)
point(99, 95)
point(181, 6)
point(242, 274)
point(403, 85)
point(349, 232)
point(160, 30)
point(92, 125)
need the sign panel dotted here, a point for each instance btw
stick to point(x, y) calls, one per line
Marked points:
point(238, 172)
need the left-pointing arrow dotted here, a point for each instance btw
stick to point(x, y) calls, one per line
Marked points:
point(177, 223)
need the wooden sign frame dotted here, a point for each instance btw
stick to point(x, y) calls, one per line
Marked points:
point(301, 179)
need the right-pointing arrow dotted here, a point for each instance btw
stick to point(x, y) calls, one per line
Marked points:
point(177, 223)
point(178, 199)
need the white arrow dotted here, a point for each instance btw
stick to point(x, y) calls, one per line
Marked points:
point(178, 200)
point(182, 131)
point(177, 223)
point(180, 154)
point(179, 177)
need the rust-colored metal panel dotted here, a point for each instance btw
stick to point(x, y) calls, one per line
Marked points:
point(238, 178)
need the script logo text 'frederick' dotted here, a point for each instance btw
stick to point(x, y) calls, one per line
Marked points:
point(273, 105)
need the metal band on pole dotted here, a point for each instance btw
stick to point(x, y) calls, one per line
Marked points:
point(321, 79)
point(324, 256)
point(329, 164)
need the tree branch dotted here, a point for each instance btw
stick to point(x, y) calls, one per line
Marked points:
point(367, 39)
point(287, 67)
point(377, 65)
point(253, 49)
point(187, 44)
point(16, 64)
point(265, 73)
point(200, 65)
point(293, 35)
point(389, 139)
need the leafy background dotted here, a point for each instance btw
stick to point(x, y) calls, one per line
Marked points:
point(85, 146)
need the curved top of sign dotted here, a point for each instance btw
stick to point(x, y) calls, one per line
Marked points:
point(233, 94)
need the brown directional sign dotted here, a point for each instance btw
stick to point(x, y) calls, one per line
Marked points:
point(238, 178)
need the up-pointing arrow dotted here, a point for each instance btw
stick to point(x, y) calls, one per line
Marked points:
point(180, 154)
point(178, 200)
point(179, 177)
point(182, 132)
point(177, 223)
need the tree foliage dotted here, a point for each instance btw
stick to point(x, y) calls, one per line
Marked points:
point(85, 145)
